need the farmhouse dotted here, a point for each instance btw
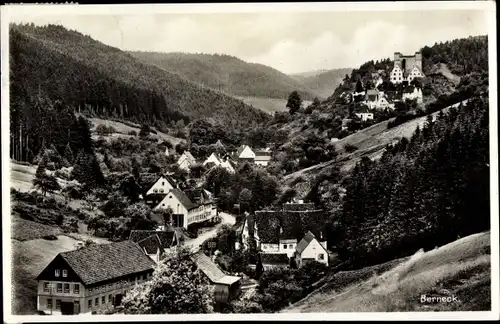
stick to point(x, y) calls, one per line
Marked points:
point(154, 243)
point(186, 160)
point(162, 185)
point(196, 207)
point(92, 277)
point(227, 287)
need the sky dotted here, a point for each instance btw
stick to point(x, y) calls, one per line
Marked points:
point(291, 42)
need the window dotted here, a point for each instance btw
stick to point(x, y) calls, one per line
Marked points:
point(110, 299)
point(170, 197)
point(155, 190)
point(46, 287)
point(291, 246)
point(66, 288)
point(57, 273)
point(110, 286)
point(96, 301)
point(143, 277)
point(285, 246)
point(163, 204)
point(321, 256)
point(163, 183)
point(77, 303)
point(161, 190)
point(59, 287)
point(49, 303)
point(58, 304)
point(76, 288)
point(90, 303)
point(103, 300)
point(90, 290)
point(65, 273)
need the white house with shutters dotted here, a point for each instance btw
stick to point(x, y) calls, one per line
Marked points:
point(245, 152)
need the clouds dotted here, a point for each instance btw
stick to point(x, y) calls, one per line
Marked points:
point(291, 42)
point(373, 41)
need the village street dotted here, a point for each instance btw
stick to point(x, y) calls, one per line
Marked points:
point(195, 243)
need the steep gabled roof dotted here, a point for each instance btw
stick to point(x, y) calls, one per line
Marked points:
point(166, 238)
point(183, 198)
point(305, 242)
point(151, 244)
point(210, 269)
point(102, 262)
point(274, 258)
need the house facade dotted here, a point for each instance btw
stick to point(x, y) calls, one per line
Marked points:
point(186, 160)
point(181, 204)
point(262, 158)
point(215, 160)
point(413, 93)
point(162, 186)
point(311, 249)
point(245, 153)
point(91, 278)
point(406, 68)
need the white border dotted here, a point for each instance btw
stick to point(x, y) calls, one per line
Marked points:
point(489, 8)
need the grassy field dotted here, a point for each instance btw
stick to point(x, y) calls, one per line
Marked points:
point(461, 269)
point(29, 258)
point(269, 105)
point(123, 130)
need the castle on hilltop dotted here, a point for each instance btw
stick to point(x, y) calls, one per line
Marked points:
point(406, 68)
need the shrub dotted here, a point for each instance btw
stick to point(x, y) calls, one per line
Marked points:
point(350, 148)
point(133, 133)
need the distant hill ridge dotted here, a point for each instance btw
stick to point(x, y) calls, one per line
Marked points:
point(228, 74)
point(65, 64)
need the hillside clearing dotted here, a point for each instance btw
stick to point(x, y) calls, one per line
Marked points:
point(269, 105)
point(123, 130)
point(456, 269)
point(29, 258)
point(370, 142)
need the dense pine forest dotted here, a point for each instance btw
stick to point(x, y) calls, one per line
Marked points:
point(52, 66)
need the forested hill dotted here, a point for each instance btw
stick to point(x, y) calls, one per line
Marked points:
point(63, 64)
point(228, 74)
point(323, 82)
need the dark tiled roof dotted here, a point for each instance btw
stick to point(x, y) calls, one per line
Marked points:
point(274, 258)
point(210, 269)
point(151, 244)
point(183, 198)
point(285, 224)
point(304, 242)
point(198, 196)
point(167, 238)
point(101, 262)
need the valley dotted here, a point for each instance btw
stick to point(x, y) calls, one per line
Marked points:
point(238, 188)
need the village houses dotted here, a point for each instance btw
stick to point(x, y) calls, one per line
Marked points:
point(92, 277)
point(279, 233)
point(215, 160)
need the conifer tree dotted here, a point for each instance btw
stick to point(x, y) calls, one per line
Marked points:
point(68, 154)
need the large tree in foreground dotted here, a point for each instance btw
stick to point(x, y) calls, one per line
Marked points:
point(177, 287)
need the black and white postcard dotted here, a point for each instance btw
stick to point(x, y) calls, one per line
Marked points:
point(300, 161)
